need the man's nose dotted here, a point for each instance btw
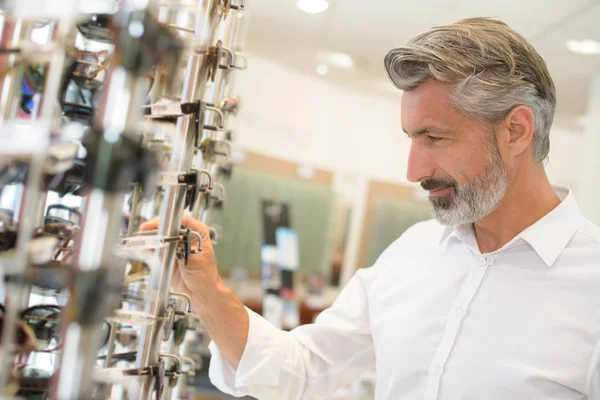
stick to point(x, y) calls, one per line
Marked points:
point(420, 164)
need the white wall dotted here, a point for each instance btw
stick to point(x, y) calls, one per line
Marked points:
point(306, 120)
point(358, 136)
point(588, 155)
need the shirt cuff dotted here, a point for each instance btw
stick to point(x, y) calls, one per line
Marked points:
point(261, 362)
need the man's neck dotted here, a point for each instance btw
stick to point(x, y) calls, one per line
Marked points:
point(527, 200)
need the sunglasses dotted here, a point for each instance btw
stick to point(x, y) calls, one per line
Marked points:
point(97, 28)
point(78, 112)
point(34, 384)
point(8, 237)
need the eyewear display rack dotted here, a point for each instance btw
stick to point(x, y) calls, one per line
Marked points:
point(111, 114)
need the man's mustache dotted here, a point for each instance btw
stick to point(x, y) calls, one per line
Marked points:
point(434, 184)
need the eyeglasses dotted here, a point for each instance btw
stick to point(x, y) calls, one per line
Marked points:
point(44, 323)
point(54, 217)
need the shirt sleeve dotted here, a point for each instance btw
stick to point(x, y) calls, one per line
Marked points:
point(593, 379)
point(312, 361)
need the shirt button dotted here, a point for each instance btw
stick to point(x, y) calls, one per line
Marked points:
point(460, 312)
point(482, 261)
point(436, 370)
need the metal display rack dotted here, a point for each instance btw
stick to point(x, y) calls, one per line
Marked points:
point(109, 117)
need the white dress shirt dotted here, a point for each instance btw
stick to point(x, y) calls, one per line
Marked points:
point(439, 320)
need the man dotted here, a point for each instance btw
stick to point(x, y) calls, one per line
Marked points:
point(497, 298)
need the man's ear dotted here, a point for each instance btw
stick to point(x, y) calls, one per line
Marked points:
point(520, 123)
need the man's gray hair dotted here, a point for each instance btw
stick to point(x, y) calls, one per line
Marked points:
point(492, 67)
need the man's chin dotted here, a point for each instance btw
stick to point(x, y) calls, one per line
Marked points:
point(442, 203)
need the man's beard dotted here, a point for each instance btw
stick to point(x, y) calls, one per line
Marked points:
point(474, 200)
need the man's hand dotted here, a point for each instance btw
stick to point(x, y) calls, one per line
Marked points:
point(200, 277)
point(222, 313)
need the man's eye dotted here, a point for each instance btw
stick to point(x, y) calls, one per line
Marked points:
point(435, 138)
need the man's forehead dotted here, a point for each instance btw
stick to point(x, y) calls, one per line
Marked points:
point(428, 106)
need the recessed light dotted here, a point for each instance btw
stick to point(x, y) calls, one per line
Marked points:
point(586, 46)
point(322, 69)
point(337, 60)
point(312, 6)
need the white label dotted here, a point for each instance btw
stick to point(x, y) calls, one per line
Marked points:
point(144, 242)
point(168, 178)
point(130, 317)
point(165, 110)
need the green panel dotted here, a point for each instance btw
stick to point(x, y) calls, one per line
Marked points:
point(311, 215)
point(390, 219)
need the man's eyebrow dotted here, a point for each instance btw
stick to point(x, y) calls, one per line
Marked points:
point(423, 130)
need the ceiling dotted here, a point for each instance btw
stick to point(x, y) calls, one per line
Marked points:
point(367, 30)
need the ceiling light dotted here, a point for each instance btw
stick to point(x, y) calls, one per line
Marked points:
point(337, 60)
point(586, 46)
point(322, 69)
point(312, 6)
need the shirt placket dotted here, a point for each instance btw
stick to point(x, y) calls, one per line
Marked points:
point(455, 318)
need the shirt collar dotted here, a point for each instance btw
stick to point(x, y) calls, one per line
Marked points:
point(548, 236)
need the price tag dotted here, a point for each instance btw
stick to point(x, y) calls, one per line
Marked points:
point(169, 178)
point(144, 242)
point(166, 110)
point(131, 317)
